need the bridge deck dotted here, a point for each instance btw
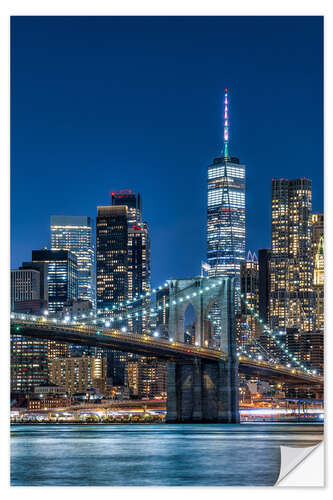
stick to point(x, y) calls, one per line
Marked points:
point(111, 338)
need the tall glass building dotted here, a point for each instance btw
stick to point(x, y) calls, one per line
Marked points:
point(61, 276)
point(138, 254)
point(111, 257)
point(291, 266)
point(75, 233)
point(225, 221)
point(226, 210)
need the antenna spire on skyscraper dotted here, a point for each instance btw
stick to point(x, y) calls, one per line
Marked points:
point(226, 125)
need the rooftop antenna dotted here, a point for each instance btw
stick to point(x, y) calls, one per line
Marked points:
point(226, 125)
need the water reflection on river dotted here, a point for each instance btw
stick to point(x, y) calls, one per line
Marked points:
point(153, 455)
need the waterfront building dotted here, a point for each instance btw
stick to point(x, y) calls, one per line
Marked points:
point(47, 402)
point(147, 377)
point(48, 389)
point(291, 264)
point(78, 374)
point(74, 233)
point(264, 257)
point(28, 363)
point(61, 276)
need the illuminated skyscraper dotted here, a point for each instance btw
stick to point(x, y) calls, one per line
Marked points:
point(61, 276)
point(291, 265)
point(264, 257)
point(111, 256)
point(138, 261)
point(249, 289)
point(226, 210)
point(225, 218)
point(318, 274)
point(75, 233)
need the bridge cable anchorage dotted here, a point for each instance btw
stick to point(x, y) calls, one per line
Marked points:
point(279, 345)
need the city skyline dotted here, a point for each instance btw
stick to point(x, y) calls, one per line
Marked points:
point(176, 219)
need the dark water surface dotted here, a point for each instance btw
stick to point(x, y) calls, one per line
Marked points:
point(153, 455)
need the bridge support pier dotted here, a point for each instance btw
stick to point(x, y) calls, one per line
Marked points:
point(202, 392)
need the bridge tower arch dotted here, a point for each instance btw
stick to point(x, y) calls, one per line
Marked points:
point(201, 293)
point(203, 391)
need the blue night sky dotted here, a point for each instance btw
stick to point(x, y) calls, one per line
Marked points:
point(100, 104)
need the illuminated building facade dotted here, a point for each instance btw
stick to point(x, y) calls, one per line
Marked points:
point(25, 286)
point(318, 273)
point(28, 363)
point(226, 211)
point(132, 201)
point(307, 347)
point(317, 231)
point(162, 303)
point(249, 289)
point(112, 276)
point(74, 233)
point(61, 276)
point(78, 374)
point(48, 402)
point(42, 268)
point(264, 257)
point(111, 256)
point(225, 216)
point(138, 254)
point(291, 265)
point(147, 377)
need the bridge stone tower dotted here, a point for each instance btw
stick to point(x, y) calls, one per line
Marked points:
point(202, 390)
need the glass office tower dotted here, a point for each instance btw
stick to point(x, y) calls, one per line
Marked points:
point(291, 267)
point(225, 218)
point(75, 233)
point(138, 255)
point(226, 211)
point(61, 276)
point(111, 257)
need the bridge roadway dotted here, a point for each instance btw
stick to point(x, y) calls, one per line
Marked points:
point(145, 345)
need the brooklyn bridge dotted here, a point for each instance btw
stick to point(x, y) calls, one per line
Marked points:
point(202, 379)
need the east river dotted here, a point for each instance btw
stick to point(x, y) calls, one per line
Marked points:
point(153, 455)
